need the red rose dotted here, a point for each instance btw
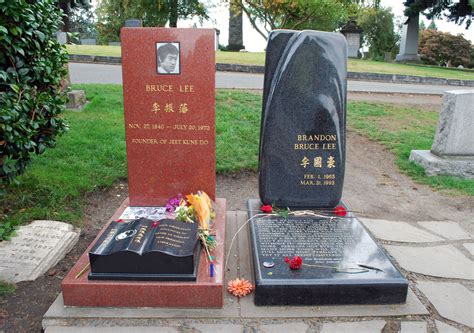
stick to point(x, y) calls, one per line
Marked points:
point(340, 210)
point(266, 209)
point(294, 263)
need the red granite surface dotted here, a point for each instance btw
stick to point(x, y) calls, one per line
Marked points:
point(169, 118)
point(206, 292)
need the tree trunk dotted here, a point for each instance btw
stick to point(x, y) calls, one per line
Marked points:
point(66, 8)
point(173, 13)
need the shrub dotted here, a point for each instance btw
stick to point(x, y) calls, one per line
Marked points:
point(442, 48)
point(379, 31)
point(32, 64)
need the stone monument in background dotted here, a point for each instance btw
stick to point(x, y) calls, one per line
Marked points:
point(452, 152)
point(409, 42)
point(236, 41)
point(310, 250)
point(353, 33)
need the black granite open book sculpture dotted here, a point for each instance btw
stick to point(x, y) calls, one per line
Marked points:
point(146, 250)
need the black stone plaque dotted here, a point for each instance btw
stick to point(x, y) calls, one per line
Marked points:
point(302, 139)
point(342, 264)
point(143, 249)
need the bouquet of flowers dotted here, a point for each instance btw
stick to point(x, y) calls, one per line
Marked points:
point(196, 208)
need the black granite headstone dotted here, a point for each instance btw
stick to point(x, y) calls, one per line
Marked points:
point(302, 140)
point(342, 264)
point(301, 166)
point(143, 249)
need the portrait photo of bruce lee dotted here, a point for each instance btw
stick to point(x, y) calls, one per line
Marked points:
point(167, 57)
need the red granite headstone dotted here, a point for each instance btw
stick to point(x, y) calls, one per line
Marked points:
point(169, 101)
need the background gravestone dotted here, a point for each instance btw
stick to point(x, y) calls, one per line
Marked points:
point(37, 247)
point(452, 152)
point(409, 43)
point(302, 140)
point(169, 117)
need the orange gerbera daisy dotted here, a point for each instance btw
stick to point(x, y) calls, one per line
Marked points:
point(239, 287)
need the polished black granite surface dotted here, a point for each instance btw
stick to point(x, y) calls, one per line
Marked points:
point(302, 139)
point(165, 250)
point(342, 264)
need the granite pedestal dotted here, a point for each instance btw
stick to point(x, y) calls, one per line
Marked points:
point(205, 292)
point(342, 264)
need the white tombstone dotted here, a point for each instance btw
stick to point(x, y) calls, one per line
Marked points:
point(36, 248)
point(62, 37)
point(452, 152)
point(409, 42)
point(352, 32)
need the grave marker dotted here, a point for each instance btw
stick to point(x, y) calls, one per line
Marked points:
point(302, 161)
point(169, 98)
point(168, 85)
point(37, 247)
point(302, 146)
point(452, 152)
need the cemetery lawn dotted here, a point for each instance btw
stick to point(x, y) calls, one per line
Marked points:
point(258, 58)
point(91, 156)
point(402, 129)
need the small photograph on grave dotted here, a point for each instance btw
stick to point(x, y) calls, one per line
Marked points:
point(165, 249)
point(167, 58)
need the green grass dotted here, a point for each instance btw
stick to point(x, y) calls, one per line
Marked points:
point(258, 58)
point(92, 154)
point(95, 50)
point(401, 130)
point(243, 58)
point(6, 289)
point(370, 66)
point(237, 130)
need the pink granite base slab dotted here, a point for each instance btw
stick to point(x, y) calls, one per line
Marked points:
point(206, 292)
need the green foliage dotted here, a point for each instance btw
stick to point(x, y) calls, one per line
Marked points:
point(82, 22)
point(324, 15)
point(442, 48)
point(31, 68)
point(89, 157)
point(112, 14)
point(69, 8)
point(471, 65)
point(379, 31)
point(458, 11)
